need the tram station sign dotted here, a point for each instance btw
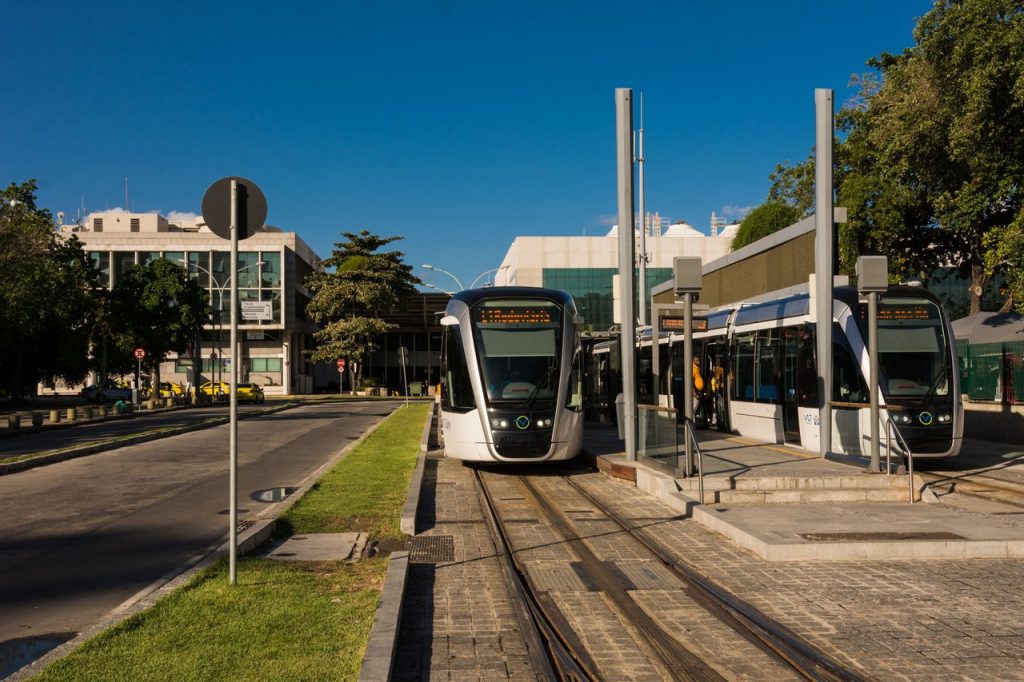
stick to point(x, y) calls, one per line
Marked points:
point(677, 323)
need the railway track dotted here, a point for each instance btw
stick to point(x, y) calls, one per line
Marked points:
point(600, 600)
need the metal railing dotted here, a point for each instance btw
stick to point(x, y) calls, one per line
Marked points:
point(890, 428)
point(691, 439)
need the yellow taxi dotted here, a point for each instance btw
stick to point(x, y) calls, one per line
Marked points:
point(170, 389)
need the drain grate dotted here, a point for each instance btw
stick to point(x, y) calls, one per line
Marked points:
point(245, 524)
point(874, 537)
point(431, 549)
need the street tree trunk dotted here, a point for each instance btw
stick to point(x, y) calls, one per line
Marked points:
point(979, 280)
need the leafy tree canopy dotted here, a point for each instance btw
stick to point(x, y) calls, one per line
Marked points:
point(764, 220)
point(46, 302)
point(357, 284)
point(157, 307)
point(931, 167)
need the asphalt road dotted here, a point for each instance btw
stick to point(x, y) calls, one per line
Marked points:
point(79, 537)
point(85, 434)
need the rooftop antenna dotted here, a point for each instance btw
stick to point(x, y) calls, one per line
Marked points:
point(126, 193)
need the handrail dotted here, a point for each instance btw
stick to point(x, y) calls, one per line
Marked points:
point(906, 449)
point(688, 432)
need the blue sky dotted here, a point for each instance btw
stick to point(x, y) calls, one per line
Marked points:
point(456, 124)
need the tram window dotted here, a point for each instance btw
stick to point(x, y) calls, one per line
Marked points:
point(457, 391)
point(807, 369)
point(743, 367)
point(768, 373)
point(847, 381)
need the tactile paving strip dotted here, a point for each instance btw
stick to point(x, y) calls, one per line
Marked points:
point(647, 575)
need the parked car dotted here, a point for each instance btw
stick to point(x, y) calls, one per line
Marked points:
point(251, 392)
point(170, 389)
point(248, 392)
point(113, 392)
point(215, 388)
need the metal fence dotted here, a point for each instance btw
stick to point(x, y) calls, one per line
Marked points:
point(992, 372)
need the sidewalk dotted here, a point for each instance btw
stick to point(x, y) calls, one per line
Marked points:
point(786, 504)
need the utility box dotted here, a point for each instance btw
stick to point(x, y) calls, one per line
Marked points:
point(872, 274)
point(688, 274)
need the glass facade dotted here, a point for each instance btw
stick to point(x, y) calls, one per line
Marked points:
point(259, 277)
point(591, 288)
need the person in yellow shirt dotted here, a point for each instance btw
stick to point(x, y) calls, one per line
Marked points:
point(698, 391)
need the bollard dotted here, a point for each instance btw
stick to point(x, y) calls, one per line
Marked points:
point(103, 410)
point(54, 416)
point(37, 418)
point(87, 412)
point(168, 402)
point(150, 404)
point(72, 414)
point(13, 421)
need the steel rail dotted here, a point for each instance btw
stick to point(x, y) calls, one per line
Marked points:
point(558, 656)
point(790, 647)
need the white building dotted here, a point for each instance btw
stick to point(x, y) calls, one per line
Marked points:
point(585, 266)
point(273, 267)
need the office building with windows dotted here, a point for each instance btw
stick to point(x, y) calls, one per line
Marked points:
point(585, 266)
point(273, 266)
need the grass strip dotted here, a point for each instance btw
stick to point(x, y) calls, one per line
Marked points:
point(283, 620)
point(366, 490)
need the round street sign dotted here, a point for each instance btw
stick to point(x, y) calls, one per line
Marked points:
point(341, 363)
point(252, 207)
point(140, 353)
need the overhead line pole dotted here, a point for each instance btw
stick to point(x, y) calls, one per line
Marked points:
point(627, 256)
point(824, 249)
point(642, 284)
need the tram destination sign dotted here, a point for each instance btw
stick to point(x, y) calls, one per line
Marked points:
point(515, 315)
point(891, 313)
point(677, 323)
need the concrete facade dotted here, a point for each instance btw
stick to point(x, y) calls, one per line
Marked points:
point(276, 264)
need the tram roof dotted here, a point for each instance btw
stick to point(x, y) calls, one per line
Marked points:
point(473, 296)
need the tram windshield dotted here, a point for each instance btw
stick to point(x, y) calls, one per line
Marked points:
point(518, 344)
point(913, 353)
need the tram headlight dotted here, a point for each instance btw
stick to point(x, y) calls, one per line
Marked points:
point(544, 423)
point(497, 423)
point(944, 418)
point(903, 418)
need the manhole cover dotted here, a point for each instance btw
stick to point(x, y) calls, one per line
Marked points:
point(431, 549)
point(875, 537)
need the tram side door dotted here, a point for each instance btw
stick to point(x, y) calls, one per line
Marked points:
point(790, 370)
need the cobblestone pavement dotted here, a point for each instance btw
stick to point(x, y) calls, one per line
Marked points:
point(890, 620)
point(457, 620)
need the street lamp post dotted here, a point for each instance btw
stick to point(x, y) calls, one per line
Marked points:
point(219, 287)
point(427, 266)
point(482, 274)
point(431, 286)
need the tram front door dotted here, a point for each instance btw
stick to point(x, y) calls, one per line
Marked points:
point(790, 370)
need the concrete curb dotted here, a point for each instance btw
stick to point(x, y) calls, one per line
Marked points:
point(412, 499)
point(64, 455)
point(383, 645)
point(248, 540)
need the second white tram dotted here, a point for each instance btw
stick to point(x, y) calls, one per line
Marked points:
point(511, 379)
point(762, 358)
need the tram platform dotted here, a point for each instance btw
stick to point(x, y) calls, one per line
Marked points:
point(785, 504)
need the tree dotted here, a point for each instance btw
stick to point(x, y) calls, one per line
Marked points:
point(932, 162)
point(349, 300)
point(46, 303)
point(764, 220)
point(158, 308)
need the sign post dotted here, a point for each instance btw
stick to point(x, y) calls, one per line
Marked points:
point(234, 208)
point(139, 354)
point(341, 376)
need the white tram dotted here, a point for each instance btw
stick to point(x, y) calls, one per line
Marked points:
point(761, 356)
point(511, 381)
